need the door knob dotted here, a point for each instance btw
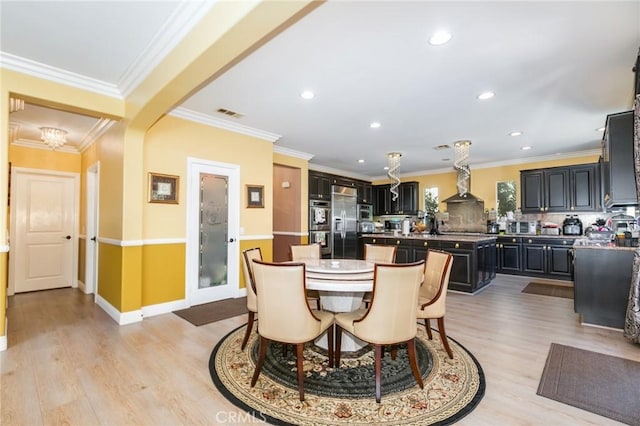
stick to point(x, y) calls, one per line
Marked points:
point(93, 239)
point(231, 240)
point(68, 237)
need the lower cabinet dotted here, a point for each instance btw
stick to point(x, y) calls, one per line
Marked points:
point(549, 257)
point(509, 255)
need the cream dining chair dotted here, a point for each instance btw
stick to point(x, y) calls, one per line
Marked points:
point(390, 318)
point(433, 293)
point(378, 253)
point(289, 319)
point(252, 304)
point(301, 252)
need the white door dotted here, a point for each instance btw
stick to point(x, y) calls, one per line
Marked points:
point(212, 231)
point(91, 242)
point(43, 230)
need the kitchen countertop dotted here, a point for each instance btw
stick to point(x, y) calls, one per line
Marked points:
point(585, 243)
point(470, 237)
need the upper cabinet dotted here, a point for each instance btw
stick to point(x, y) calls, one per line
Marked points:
point(365, 193)
point(560, 189)
point(618, 174)
point(319, 186)
point(406, 203)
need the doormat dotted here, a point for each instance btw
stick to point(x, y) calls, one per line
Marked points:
point(549, 290)
point(214, 311)
point(599, 383)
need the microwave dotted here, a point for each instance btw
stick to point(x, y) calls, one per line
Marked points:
point(522, 227)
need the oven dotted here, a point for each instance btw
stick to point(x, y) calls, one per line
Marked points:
point(323, 238)
point(365, 213)
point(319, 215)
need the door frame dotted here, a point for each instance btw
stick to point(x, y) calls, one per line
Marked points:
point(75, 177)
point(193, 226)
point(92, 224)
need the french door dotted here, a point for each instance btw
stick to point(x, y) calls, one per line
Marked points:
point(212, 231)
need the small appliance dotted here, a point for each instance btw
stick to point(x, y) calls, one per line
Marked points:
point(392, 225)
point(521, 227)
point(366, 227)
point(365, 212)
point(493, 227)
point(572, 225)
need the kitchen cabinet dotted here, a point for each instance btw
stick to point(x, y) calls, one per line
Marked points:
point(365, 193)
point(509, 255)
point(619, 184)
point(560, 189)
point(319, 186)
point(548, 257)
point(406, 203)
point(601, 285)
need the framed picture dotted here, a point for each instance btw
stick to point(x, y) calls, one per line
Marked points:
point(255, 196)
point(163, 188)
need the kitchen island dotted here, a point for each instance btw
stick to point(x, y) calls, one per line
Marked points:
point(474, 264)
point(602, 282)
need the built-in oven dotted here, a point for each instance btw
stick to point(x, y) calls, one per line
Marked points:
point(365, 213)
point(323, 238)
point(320, 225)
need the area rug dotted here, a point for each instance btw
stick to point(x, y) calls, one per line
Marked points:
point(549, 290)
point(345, 395)
point(599, 383)
point(214, 311)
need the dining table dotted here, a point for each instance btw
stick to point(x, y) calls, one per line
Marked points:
point(341, 284)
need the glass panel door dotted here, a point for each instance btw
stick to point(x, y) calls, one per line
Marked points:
point(213, 231)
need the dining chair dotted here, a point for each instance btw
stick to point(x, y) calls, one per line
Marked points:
point(390, 319)
point(300, 252)
point(378, 253)
point(433, 293)
point(287, 319)
point(252, 304)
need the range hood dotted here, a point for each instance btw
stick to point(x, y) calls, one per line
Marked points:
point(464, 198)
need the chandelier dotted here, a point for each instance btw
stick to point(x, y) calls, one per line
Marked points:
point(393, 159)
point(461, 164)
point(53, 137)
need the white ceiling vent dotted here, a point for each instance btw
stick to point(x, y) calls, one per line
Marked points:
point(230, 113)
point(441, 147)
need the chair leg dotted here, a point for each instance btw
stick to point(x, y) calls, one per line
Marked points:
point(427, 327)
point(248, 332)
point(284, 350)
point(443, 337)
point(330, 348)
point(338, 346)
point(318, 304)
point(411, 349)
point(299, 362)
point(378, 370)
point(394, 351)
point(263, 353)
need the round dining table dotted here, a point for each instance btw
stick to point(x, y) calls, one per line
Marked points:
point(341, 284)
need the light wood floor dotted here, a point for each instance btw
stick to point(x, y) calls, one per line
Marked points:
point(69, 363)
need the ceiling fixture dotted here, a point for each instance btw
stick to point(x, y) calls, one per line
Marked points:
point(53, 137)
point(525, 148)
point(307, 94)
point(515, 133)
point(486, 95)
point(440, 38)
point(15, 104)
point(441, 147)
point(375, 125)
point(361, 161)
point(461, 164)
point(393, 159)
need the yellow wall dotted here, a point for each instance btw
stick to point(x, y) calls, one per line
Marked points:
point(48, 159)
point(163, 270)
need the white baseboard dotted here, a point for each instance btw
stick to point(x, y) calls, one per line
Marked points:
point(242, 292)
point(3, 339)
point(82, 287)
point(163, 308)
point(119, 317)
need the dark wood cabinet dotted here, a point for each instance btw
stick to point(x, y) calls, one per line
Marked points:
point(548, 257)
point(365, 193)
point(406, 203)
point(619, 184)
point(509, 255)
point(560, 189)
point(319, 186)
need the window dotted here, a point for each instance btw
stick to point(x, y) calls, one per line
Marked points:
point(506, 197)
point(431, 201)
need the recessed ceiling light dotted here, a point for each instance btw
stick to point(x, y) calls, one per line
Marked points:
point(361, 161)
point(375, 125)
point(486, 95)
point(439, 38)
point(385, 168)
point(307, 94)
point(600, 129)
point(525, 148)
point(515, 133)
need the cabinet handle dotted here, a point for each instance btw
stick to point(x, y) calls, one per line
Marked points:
point(374, 241)
point(571, 207)
point(425, 244)
point(541, 209)
point(398, 242)
point(529, 241)
point(457, 245)
point(564, 242)
point(513, 240)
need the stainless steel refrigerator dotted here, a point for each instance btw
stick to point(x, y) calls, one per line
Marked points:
point(344, 230)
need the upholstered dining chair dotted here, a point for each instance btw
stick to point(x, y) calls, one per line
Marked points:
point(390, 319)
point(300, 252)
point(289, 319)
point(378, 253)
point(252, 304)
point(433, 293)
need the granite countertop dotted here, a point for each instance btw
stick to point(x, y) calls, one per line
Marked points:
point(585, 243)
point(469, 237)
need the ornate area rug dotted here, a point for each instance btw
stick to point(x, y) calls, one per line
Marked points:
point(345, 395)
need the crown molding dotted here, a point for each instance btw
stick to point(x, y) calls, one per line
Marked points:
point(47, 72)
point(70, 149)
point(98, 129)
point(331, 170)
point(292, 153)
point(207, 120)
point(180, 23)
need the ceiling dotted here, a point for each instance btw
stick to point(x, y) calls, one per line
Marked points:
point(556, 68)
